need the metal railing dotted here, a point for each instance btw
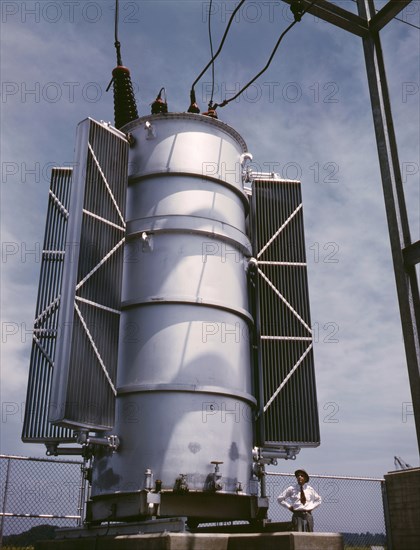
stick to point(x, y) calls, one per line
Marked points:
point(40, 491)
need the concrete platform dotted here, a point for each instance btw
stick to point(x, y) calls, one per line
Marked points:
point(202, 541)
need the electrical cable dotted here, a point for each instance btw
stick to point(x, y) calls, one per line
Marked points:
point(298, 13)
point(117, 42)
point(211, 53)
point(125, 108)
point(407, 23)
point(214, 57)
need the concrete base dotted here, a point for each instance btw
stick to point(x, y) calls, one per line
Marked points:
point(207, 541)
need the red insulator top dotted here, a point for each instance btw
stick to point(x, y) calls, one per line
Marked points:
point(120, 69)
point(211, 113)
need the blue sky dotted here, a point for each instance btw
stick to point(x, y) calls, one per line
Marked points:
point(308, 117)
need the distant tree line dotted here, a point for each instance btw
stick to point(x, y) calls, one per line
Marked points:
point(28, 538)
point(364, 539)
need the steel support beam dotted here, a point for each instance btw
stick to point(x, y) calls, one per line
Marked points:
point(398, 225)
point(405, 254)
point(412, 254)
point(337, 16)
point(356, 24)
point(385, 14)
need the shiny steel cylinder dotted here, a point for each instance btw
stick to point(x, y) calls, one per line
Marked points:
point(184, 369)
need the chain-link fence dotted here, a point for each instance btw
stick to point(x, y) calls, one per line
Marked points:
point(38, 491)
point(352, 506)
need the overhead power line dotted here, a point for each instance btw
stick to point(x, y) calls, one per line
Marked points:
point(211, 53)
point(214, 57)
point(298, 13)
point(117, 42)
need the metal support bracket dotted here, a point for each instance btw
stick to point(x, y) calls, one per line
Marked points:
point(112, 442)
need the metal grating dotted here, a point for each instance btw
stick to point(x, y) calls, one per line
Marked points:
point(286, 378)
point(36, 426)
point(83, 386)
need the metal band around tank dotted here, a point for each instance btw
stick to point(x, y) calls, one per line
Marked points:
point(187, 300)
point(155, 174)
point(188, 224)
point(190, 388)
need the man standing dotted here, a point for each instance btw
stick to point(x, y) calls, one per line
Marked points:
point(301, 499)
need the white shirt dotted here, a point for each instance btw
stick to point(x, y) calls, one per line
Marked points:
point(291, 497)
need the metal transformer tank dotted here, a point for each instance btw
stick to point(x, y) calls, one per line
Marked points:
point(163, 378)
point(185, 403)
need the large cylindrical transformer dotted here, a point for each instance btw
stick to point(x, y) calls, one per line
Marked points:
point(185, 398)
point(168, 418)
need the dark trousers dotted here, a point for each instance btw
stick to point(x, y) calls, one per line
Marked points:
point(303, 521)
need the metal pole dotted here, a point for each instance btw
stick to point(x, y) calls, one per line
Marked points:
point(398, 226)
point(85, 481)
point(386, 516)
point(80, 507)
point(6, 489)
point(263, 481)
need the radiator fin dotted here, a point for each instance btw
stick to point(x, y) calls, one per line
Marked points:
point(84, 379)
point(286, 377)
point(36, 427)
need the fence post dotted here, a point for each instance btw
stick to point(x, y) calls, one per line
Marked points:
point(386, 516)
point(6, 489)
point(82, 493)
